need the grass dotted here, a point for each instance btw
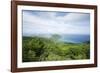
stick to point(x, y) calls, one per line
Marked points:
point(51, 49)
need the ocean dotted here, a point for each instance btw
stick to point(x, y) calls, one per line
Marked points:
point(75, 38)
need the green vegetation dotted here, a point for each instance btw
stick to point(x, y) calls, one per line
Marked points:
point(47, 49)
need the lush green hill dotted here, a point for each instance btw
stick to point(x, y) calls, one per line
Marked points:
point(50, 49)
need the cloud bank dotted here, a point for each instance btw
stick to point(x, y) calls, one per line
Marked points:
point(43, 22)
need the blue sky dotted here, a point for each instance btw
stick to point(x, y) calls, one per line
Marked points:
point(43, 22)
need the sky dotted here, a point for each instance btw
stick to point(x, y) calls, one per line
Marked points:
point(51, 22)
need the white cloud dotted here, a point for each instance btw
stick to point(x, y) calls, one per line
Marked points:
point(48, 22)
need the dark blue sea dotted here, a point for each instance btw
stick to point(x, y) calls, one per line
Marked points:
point(75, 38)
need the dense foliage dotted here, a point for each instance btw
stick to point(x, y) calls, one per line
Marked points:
point(50, 49)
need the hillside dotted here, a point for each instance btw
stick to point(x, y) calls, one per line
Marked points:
point(50, 49)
